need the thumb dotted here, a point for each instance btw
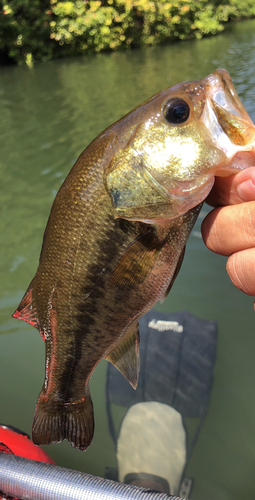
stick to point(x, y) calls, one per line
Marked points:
point(233, 189)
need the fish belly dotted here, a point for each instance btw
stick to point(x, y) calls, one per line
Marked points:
point(103, 314)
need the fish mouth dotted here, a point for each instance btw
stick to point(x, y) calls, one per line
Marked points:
point(229, 123)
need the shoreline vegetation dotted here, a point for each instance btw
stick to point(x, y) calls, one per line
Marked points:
point(40, 30)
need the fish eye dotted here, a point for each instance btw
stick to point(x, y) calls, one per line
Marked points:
point(176, 111)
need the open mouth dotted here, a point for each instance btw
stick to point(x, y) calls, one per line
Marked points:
point(229, 123)
point(222, 92)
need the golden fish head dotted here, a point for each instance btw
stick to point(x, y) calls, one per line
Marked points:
point(173, 145)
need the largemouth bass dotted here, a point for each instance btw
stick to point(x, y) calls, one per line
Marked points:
point(116, 235)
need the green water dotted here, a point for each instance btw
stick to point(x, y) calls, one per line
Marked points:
point(49, 114)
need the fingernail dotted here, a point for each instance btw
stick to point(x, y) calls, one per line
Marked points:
point(246, 190)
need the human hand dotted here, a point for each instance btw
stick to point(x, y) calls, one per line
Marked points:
point(230, 229)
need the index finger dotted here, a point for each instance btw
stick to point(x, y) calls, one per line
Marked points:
point(233, 189)
point(230, 229)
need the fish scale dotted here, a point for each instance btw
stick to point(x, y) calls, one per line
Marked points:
point(116, 236)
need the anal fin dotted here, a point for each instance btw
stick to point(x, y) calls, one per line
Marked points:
point(176, 272)
point(126, 356)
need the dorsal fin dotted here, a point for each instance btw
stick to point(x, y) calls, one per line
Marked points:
point(26, 310)
point(126, 356)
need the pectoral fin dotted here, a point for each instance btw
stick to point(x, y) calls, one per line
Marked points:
point(126, 356)
point(137, 261)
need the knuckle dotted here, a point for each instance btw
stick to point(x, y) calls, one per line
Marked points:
point(211, 231)
point(247, 221)
point(234, 270)
point(241, 270)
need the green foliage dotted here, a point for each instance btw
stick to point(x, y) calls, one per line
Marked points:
point(24, 31)
point(42, 29)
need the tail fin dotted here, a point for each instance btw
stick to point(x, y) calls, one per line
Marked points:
point(54, 422)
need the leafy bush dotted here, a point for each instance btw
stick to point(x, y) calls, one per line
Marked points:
point(25, 31)
point(42, 29)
